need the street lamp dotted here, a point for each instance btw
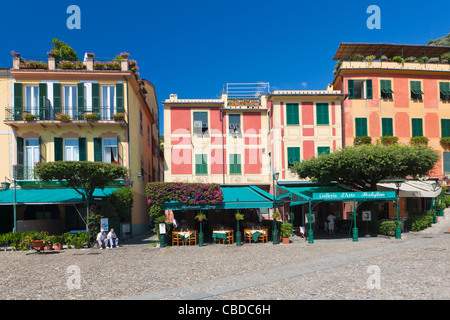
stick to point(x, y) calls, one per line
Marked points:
point(398, 230)
point(275, 237)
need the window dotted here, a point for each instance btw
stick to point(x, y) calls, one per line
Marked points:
point(108, 102)
point(446, 160)
point(323, 150)
point(148, 134)
point(387, 128)
point(70, 101)
point(445, 128)
point(416, 91)
point(360, 127)
point(322, 113)
point(235, 164)
point(293, 154)
point(200, 122)
point(31, 99)
point(110, 150)
point(386, 89)
point(234, 123)
point(201, 165)
point(71, 150)
point(444, 91)
point(140, 122)
point(292, 116)
point(417, 129)
point(360, 89)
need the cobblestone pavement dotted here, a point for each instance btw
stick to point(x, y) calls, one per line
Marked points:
point(414, 267)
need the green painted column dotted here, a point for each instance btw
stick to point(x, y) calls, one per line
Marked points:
point(355, 229)
point(398, 230)
point(200, 235)
point(310, 231)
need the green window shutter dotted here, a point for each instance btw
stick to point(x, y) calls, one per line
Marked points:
point(57, 105)
point(322, 113)
point(235, 164)
point(20, 159)
point(417, 128)
point(323, 150)
point(387, 128)
point(446, 160)
point(80, 92)
point(292, 114)
point(360, 127)
point(18, 101)
point(119, 97)
point(445, 128)
point(98, 154)
point(96, 98)
point(82, 149)
point(369, 94)
point(58, 149)
point(444, 90)
point(42, 97)
point(201, 166)
point(293, 154)
point(351, 89)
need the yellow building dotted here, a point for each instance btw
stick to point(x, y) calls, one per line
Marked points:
point(93, 111)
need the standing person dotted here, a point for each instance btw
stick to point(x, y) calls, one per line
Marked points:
point(101, 239)
point(331, 218)
point(112, 239)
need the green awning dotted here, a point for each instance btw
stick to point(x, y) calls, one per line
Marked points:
point(51, 195)
point(304, 193)
point(234, 197)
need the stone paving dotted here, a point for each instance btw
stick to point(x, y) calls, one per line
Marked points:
point(414, 267)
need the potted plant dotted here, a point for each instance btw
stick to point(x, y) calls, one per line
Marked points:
point(28, 116)
point(15, 54)
point(119, 116)
point(62, 117)
point(52, 54)
point(285, 231)
point(37, 240)
point(58, 243)
point(200, 217)
point(49, 243)
point(124, 55)
point(419, 141)
point(275, 235)
point(90, 116)
point(90, 54)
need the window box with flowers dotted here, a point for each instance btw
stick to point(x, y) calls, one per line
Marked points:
point(78, 65)
point(109, 65)
point(91, 116)
point(120, 116)
point(62, 117)
point(32, 64)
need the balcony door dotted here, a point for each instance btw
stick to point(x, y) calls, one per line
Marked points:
point(108, 102)
point(70, 101)
point(32, 156)
point(32, 99)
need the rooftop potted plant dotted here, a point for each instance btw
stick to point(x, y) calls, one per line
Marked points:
point(52, 54)
point(15, 54)
point(90, 54)
point(124, 55)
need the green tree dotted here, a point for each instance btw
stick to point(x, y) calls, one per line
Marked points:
point(362, 167)
point(443, 41)
point(83, 176)
point(63, 51)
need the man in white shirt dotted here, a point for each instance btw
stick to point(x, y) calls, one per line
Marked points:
point(112, 239)
point(331, 218)
point(101, 239)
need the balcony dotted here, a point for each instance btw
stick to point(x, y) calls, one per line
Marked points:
point(80, 116)
point(394, 65)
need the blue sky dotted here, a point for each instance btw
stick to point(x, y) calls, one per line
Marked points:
point(192, 48)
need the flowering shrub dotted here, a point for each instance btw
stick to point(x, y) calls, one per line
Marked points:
point(190, 193)
point(32, 64)
point(108, 65)
point(64, 64)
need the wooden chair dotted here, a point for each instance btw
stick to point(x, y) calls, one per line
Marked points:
point(264, 237)
point(247, 235)
point(176, 239)
point(229, 238)
point(192, 238)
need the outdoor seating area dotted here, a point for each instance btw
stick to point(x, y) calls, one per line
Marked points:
point(184, 237)
point(256, 235)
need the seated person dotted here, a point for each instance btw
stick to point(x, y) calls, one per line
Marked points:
point(101, 239)
point(112, 240)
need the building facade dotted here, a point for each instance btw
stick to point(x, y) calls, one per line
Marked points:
point(79, 114)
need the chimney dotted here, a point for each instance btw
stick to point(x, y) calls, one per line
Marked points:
point(124, 65)
point(51, 63)
point(173, 97)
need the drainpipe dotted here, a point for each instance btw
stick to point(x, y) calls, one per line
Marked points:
point(129, 151)
point(223, 148)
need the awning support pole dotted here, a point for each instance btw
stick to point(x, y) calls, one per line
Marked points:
point(355, 229)
point(310, 231)
point(398, 230)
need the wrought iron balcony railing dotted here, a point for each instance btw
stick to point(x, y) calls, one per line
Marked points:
point(64, 114)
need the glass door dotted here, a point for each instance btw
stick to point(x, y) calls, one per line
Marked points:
point(31, 99)
point(70, 101)
point(108, 102)
point(32, 156)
